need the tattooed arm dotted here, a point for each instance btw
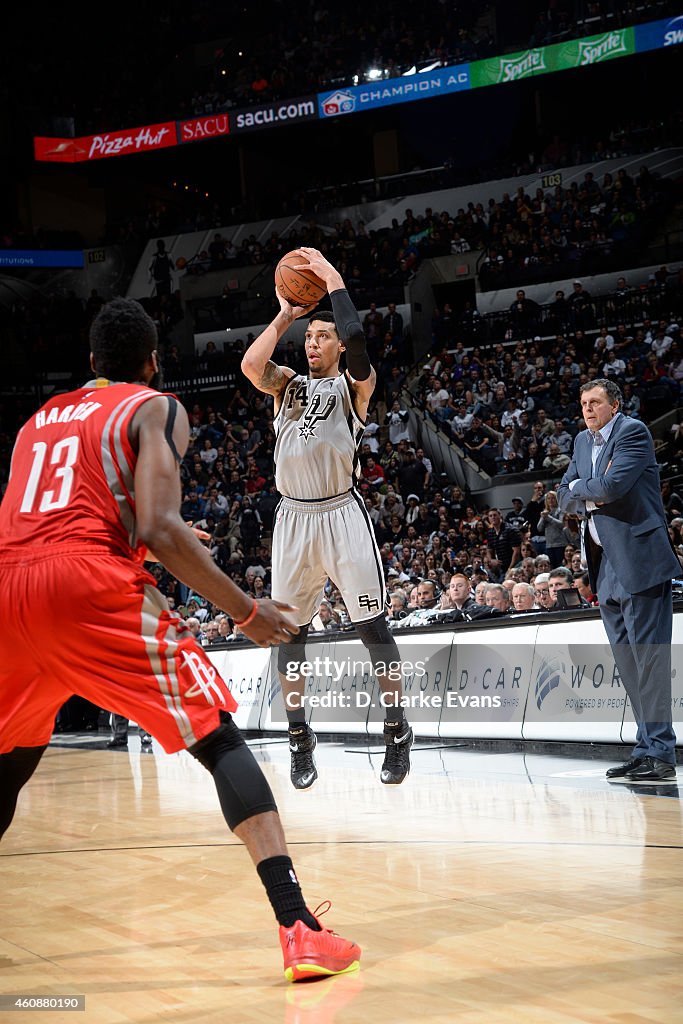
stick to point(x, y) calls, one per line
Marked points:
point(257, 364)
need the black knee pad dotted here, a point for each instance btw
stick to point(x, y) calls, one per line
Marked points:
point(381, 646)
point(241, 785)
point(293, 653)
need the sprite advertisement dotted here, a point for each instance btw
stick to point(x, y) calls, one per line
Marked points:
point(575, 53)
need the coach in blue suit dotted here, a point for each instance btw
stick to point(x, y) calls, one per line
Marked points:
point(613, 480)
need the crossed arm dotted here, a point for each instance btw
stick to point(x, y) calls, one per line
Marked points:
point(631, 456)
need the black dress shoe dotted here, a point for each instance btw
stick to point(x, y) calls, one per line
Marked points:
point(653, 770)
point(623, 769)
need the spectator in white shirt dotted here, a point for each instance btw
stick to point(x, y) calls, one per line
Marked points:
point(603, 334)
point(437, 397)
point(662, 340)
point(397, 419)
point(462, 419)
point(370, 435)
point(208, 454)
point(613, 367)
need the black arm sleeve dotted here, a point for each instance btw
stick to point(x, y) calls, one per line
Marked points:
point(350, 331)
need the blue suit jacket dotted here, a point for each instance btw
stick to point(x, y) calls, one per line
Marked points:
point(631, 523)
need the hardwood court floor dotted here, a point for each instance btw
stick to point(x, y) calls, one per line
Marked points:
point(488, 888)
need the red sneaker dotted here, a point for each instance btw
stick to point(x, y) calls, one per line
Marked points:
point(309, 954)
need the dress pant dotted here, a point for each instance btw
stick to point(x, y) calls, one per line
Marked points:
point(639, 629)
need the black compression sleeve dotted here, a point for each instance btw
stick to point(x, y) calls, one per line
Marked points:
point(350, 331)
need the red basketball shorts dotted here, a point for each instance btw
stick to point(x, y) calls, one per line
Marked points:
point(84, 621)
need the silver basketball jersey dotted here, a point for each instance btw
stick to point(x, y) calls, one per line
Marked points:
point(318, 434)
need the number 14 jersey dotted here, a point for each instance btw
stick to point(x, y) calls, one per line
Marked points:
point(318, 434)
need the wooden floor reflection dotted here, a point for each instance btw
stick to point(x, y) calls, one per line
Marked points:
point(488, 888)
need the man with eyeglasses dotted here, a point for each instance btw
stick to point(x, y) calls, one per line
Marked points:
point(541, 586)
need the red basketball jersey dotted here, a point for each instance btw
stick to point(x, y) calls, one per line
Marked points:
point(72, 473)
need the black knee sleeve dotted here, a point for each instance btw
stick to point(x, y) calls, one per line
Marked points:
point(293, 653)
point(241, 785)
point(381, 646)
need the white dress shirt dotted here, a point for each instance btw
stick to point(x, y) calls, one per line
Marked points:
point(604, 434)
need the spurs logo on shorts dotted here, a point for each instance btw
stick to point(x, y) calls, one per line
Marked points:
point(365, 601)
point(313, 416)
point(204, 676)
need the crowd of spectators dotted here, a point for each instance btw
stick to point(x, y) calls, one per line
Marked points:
point(446, 558)
point(515, 408)
point(317, 49)
point(580, 226)
point(47, 332)
point(554, 234)
point(206, 59)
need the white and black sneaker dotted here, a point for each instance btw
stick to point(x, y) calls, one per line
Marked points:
point(302, 742)
point(398, 739)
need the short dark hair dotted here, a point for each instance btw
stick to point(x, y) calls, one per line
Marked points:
point(324, 315)
point(561, 571)
point(610, 387)
point(122, 337)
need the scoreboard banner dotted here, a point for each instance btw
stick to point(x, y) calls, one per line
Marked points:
point(575, 53)
point(98, 147)
point(657, 34)
point(29, 258)
point(405, 89)
point(354, 99)
point(268, 115)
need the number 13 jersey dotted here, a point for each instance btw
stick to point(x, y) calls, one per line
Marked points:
point(318, 435)
point(72, 473)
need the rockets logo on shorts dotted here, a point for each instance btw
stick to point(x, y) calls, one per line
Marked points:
point(314, 415)
point(204, 676)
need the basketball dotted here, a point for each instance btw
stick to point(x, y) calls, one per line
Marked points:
point(181, 263)
point(299, 287)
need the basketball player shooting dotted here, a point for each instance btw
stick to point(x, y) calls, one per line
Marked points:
point(321, 526)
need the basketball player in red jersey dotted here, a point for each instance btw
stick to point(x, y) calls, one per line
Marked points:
point(94, 483)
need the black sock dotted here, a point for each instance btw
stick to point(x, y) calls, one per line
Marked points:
point(395, 718)
point(299, 723)
point(284, 892)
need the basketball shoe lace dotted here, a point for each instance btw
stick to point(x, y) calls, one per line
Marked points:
point(302, 760)
point(321, 910)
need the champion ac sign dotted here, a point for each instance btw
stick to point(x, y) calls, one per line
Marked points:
point(388, 91)
point(200, 128)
